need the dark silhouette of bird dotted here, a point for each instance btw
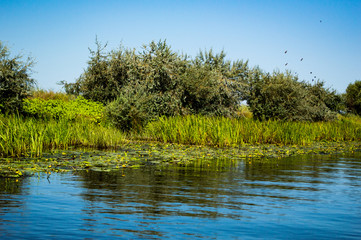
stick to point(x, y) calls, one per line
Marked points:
point(285, 51)
point(310, 72)
point(315, 76)
point(312, 80)
point(286, 64)
point(301, 59)
point(320, 21)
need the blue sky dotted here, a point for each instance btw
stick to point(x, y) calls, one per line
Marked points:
point(58, 33)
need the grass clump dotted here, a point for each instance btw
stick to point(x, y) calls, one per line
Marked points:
point(29, 136)
point(222, 131)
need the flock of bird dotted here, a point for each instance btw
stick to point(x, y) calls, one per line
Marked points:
point(302, 60)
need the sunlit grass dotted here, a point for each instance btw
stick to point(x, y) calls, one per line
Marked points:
point(221, 131)
point(20, 136)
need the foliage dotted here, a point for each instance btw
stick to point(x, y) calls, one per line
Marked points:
point(61, 109)
point(353, 97)
point(244, 112)
point(222, 131)
point(208, 84)
point(281, 96)
point(21, 136)
point(205, 92)
point(129, 110)
point(174, 84)
point(333, 101)
point(15, 81)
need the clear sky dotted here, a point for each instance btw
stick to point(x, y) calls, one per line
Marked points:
point(325, 33)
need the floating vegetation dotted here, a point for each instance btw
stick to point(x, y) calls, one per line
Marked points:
point(162, 155)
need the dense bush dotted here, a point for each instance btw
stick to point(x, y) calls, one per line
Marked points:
point(282, 96)
point(353, 97)
point(173, 83)
point(15, 81)
point(130, 110)
point(159, 82)
point(60, 109)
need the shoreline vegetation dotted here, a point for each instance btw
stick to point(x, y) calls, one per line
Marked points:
point(29, 145)
point(158, 100)
point(28, 136)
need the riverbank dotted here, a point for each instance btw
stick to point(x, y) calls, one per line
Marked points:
point(141, 154)
point(29, 145)
point(24, 137)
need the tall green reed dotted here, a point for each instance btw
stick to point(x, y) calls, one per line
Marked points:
point(28, 136)
point(221, 131)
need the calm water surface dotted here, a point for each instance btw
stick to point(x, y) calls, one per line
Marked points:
point(314, 197)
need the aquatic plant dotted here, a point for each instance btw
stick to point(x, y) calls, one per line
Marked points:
point(222, 131)
point(29, 136)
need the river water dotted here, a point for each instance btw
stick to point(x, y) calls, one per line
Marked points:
point(307, 197)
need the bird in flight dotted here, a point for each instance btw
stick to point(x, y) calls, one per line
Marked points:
point(310, 72)
point(286, 64)
point(301, 59)
point(285, 51)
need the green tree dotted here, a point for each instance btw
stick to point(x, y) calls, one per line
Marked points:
point(206, 92)
point(353, 97)
point(282, 96)
point(157, 81)
point(15, 80)
point(131, 109)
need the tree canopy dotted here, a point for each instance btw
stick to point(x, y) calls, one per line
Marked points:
point(156, 81)
point(15, 80)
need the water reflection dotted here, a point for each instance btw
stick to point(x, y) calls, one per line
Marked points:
point(298, 198)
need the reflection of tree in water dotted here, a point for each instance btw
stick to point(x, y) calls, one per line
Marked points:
point(195, 191)
point(11, 185)
point(238, 190)
point(158, 192)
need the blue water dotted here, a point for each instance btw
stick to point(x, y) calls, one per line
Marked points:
point(313, 197)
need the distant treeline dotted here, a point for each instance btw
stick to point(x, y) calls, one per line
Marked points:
point(139, 86)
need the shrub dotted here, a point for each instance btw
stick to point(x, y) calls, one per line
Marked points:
point(60, 109)
point(173, 83)
point(206, 92)
point(282, 96)
point(15, 81)
point(130, 110)
point(353, 97)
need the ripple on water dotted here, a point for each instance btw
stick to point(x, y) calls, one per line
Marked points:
point(298, 198)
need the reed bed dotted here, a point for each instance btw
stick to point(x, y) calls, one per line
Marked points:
point(21, 136)
point(28, 136)
point(221, 131)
